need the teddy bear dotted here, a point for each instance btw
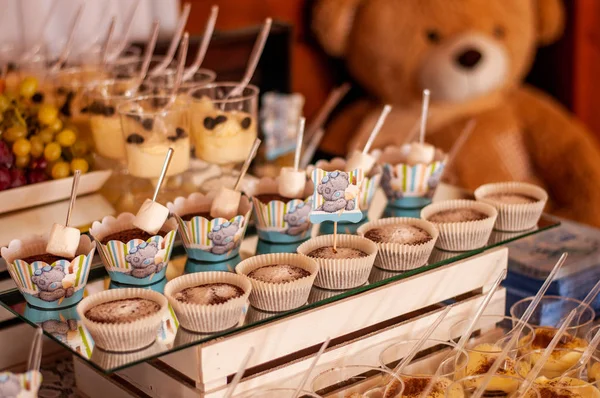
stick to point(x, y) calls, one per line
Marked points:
point(10, 385)
point(473, 56)
point(223, 237)
point(49, 282)
point(297, 218)
point(142, 260)
point(333, 190)
point(59, 329)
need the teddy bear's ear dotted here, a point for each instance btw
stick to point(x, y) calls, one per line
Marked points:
point(551, 20)
point(332, 22)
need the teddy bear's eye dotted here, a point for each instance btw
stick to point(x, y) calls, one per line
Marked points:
point(499, 31)
point(434, 36)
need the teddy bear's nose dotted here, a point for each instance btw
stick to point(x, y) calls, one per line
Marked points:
point(469, 58)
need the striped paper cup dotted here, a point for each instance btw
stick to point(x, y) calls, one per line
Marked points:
point(21, 385)
point(138, 262)
point(408, 185)
point(208, 239)
point(281, 222)
point(44, 285)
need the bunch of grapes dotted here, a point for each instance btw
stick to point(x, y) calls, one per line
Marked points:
point(35, 145)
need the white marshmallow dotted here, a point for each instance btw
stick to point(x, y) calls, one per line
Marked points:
point(359, 160)
point(225, 204)
point(292, 183)
point(151, 216)
point(63, 241)
point(420, 153)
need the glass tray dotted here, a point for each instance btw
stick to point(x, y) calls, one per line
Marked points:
point(63, 325)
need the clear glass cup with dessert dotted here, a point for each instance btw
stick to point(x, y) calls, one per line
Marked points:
point(502, 386)
point(357, 381)
point(162, 83)
point(417, 374)
point(594, 368)
point(151, 125)
point(560, 361)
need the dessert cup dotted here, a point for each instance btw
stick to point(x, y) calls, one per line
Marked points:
point(128, 335)
point(139, 261)
point(514, 216)
point(405, 185)
point(205, 238)
point(20, 385)
point(501, 386)
point(558, 363)
point(52, 285)
point(277, 297)
point(462, 235)
point(361, 380)
point(402, 256)
point(338, 273)
point(282, 393)
point(209, 318)
point(281, 220)
point(552, 310)
point(566, 387)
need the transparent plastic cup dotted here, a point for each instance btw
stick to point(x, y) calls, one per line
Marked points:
point(357, 381)
point(163, 83)
point(501, 386)
point(559, 362)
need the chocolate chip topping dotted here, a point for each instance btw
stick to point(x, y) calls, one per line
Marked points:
point(209, 123)
point(129, 234)
point(511, 198)
point(246, 122)
point(220, 119)
point(135, 139)
point(147, 124)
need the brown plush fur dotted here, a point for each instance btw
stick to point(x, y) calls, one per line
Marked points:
point(521, 134)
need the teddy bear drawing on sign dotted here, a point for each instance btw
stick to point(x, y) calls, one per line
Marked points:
point(49, 281)
point(333, 190)
point(142, 260)
point(10, 385)
point(297, 219)
point(223, 237)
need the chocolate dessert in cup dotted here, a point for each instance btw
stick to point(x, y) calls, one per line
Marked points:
point(209, 302)
point(463, 224)
point(123, 320)
point(503, 386)
point(357, 381)
point(403, 243)
point(519, 205)
point(280, 282)
point(343, 264)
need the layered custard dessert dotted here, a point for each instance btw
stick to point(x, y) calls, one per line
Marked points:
point(278, 273)
point(398, 233)
point(123, 311)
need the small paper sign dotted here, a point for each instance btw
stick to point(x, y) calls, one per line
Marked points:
point(336, 196)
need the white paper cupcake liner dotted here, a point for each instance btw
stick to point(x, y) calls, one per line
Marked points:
point(106, 359)
point(466, 235)
point(339, 274)
point(278, 297)
point(127, 336)
point(398, 256)
point(514, 217)
point(208, 318)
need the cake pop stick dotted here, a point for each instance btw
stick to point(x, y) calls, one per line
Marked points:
point(64, 240)
point(152, 215)
point(226, 203)
point(335, 236)
point(149, 50)
point(208, 32)
point(62, 58)
point(292, 180)
point(311, 367)
point(185, 13)
point(362, 160)
point(240, 373)
point(540, 363)
point(109, 35)
point(421, 152)
point(120, 47)
point(516, 331)
point(587, 354)
point(259, 46)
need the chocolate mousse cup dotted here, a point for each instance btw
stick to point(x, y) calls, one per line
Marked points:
point(520, 205)
point(401, 250)
point(463, 224)
point(209, 313)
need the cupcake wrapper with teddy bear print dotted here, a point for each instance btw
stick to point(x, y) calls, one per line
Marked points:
point(124, 336)
point(335, 196)
point(210, 240)
point(136, 262)
point(209, 318)
point(57, 285)
point(21, 385)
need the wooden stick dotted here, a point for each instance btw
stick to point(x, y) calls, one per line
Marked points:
point(378, 125)
point(335, 236)
point(424, 113)
point(73, 196)
point(163, 173)
point(299, 139)
point(246, 165)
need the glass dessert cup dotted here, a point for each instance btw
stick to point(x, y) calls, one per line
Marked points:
point(551, 311)
point(357, 381)
point(162, 83)
point(151, 125)
point(558, 363)
point(487, 341)
point(500, 386)
point(417, 374)
point(223, 128)
point(564, 387)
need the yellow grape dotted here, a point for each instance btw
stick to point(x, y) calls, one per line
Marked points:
point(52, 151)
point(47, 114)
point(80, 164)
point(22, 161)
point(57, 125)
point(66, 138)
point(28, 87)
point(37, 146)
point(21, 147)
point(13, 133)
point(60, 170)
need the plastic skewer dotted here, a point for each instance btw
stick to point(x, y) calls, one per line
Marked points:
point(299, 140)
point(246, 165)
point(311, 367)
point(163, 173)
point(240, 373)
point(64, 55)
point(516, 331)
point(384, 114)
point(73, 196)
point(183, 49)
point(149, 50)
point(109, 35)
point(208, 32)
point(185, 13)
point(587, 354)
point(123, 42)
point(424, 114)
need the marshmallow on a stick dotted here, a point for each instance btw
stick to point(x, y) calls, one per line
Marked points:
point(226, 202)
point(64, 240)
point(363, 160)
point(292, 180)
point(420, 153)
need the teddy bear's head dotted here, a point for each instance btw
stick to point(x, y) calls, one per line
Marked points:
point(223, 234)
point(333, 185)
point(142, 255)
point(459, 49)
point(48, 278)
